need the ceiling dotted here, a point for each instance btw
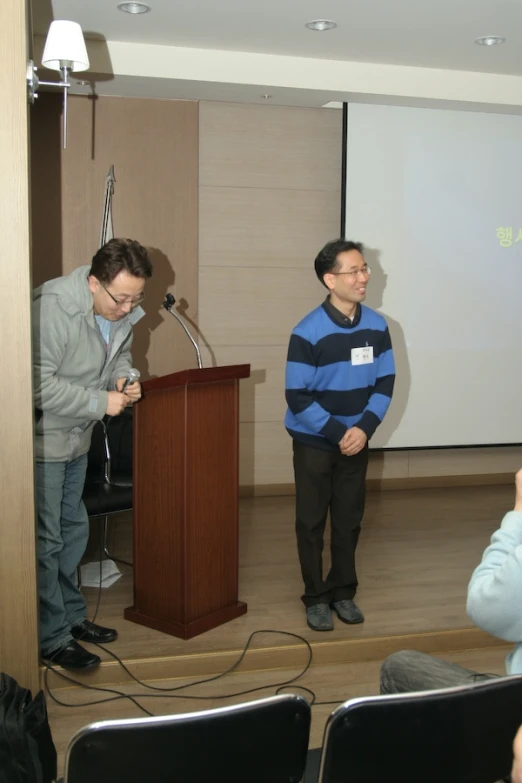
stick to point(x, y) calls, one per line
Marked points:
point(419, 34)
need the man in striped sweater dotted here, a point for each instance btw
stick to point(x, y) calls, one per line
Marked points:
point(339, 382)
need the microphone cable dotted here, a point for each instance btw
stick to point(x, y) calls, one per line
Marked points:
point(161, 692)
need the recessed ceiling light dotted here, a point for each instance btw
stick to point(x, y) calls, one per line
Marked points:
point(266, 96)
point(133, 8)
point(321, 24)
point(83, 83)
point(490, 40)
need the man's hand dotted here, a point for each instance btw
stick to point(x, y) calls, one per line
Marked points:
point(518, 495)
point(133, 390)
point(116, 403)
point(353, 441)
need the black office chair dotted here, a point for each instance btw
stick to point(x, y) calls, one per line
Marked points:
point(454, 735)
point(108, 485)
point(263, 741)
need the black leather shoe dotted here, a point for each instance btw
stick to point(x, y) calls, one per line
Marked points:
point(73, 656)
point(90, 632)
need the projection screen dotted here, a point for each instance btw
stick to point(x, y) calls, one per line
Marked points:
point(436, 197)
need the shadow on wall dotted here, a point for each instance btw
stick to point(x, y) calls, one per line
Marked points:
point(182, 309)
point(401, 391)
point(42, 16)
point(163, 277)
point(46, 190)
point(98, 52)
point(162, 282)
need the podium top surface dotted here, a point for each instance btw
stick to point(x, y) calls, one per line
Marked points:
point(230, 372)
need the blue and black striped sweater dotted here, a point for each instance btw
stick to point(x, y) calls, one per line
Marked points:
point(326, 392)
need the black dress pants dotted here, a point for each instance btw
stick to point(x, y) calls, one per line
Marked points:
point(328, 480)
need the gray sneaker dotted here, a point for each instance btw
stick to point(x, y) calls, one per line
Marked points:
point(348, 611)
point(319, 617)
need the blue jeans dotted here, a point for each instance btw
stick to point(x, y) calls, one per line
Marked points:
point(63, 532)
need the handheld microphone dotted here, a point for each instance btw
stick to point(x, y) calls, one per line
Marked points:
point(168, 304)
point(132, 376)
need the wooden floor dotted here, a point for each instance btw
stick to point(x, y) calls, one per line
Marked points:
point(415, 557)
point(416, 554)
point(417, 551)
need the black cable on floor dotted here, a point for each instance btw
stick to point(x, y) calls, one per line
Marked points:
point(172, 691)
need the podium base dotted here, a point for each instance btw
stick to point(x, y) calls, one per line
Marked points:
point(188, 631)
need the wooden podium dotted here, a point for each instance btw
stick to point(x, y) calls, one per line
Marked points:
point(185, 497)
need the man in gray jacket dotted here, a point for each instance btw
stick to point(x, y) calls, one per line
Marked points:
point(82, 334)
point(494, 601)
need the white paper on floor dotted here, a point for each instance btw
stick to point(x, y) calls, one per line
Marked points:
point(110, 573)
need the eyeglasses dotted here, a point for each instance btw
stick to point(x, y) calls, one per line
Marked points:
point(365, 271)
point(134, 302)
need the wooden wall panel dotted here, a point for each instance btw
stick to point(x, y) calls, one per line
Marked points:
point(266, 460)
point(269, 200)
point(237, 226)
point(265, 451)
point(246, 306)
point(472, 461)
point(247, 146)
point(18, 596)
point(153, 146)
point(388, 465)
point(262, 395)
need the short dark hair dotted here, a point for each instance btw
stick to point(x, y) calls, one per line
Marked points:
point(326, 260)
point(120, 255)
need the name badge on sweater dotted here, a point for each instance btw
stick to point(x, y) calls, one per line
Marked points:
point(362, 355)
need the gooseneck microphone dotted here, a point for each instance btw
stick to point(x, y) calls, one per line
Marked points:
point(133, 375)
point(168, 304)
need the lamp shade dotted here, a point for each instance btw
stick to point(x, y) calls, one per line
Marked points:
point(65, 43)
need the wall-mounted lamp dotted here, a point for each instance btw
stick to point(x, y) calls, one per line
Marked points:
point(64, 51)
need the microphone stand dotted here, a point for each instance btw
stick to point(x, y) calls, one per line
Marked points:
point(167, 304)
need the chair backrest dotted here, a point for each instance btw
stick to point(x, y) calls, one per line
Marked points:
point(119, 434)
point(110, 453)
point(462, 734)
point(263, 741)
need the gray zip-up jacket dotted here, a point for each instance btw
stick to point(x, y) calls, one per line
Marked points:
point(73, 367)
